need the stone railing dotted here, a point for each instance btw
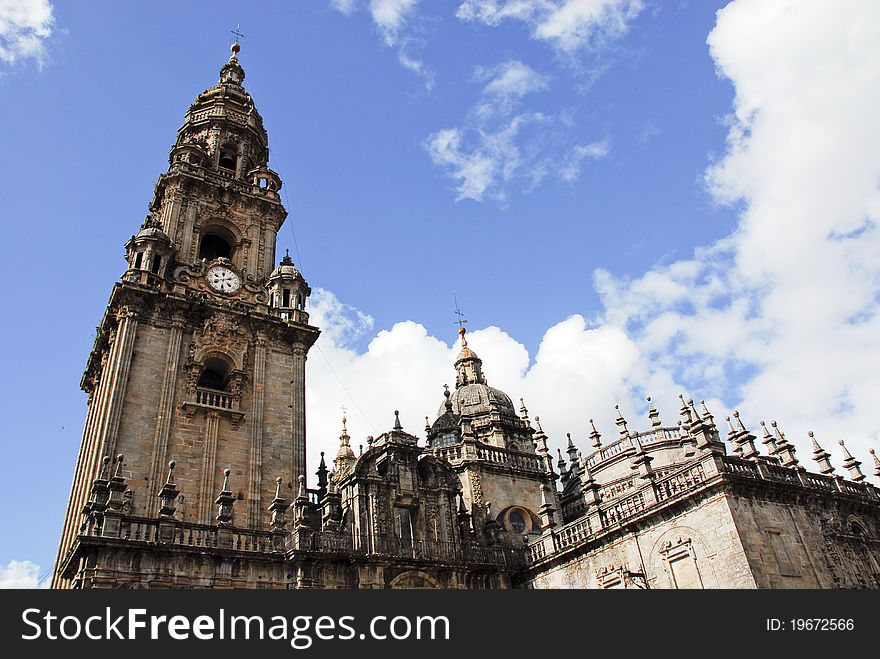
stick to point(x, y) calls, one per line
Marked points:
point(768, 471)
point(683, 480)
point(187, 534)
point(623, 509)
point(451, 453)
point(609, 451)
point(515, 459)
point(657, 435)
point(677, 483)
point(214, 398)
point(572, 534)
point(458, 453)
point(623, 444)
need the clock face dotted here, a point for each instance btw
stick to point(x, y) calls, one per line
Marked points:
point(223, 279)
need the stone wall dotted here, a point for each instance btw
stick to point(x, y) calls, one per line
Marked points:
point(697, 547)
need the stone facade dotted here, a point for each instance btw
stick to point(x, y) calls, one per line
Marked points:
point(191, 470)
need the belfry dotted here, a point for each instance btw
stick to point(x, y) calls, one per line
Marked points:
point(200, 356)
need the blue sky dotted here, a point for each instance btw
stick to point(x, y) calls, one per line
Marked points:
point(629, 198)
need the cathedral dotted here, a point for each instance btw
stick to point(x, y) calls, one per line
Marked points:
point(192, 468)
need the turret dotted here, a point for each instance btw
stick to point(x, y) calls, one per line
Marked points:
point(288, 291)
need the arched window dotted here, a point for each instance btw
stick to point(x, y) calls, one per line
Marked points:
point(215, 375)
point(228, 156)
point(213, 246)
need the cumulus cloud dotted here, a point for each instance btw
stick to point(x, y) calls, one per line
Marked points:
point(578, 371)
point(568, 25)
point(393, 20)
point(790, 299)
point(500, 142)
point(19, 574)
point(779, 319)
point(25, 25)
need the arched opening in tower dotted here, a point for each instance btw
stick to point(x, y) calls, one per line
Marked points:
point(215, 375)
point(214, 246)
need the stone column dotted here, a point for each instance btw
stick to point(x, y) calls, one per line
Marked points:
point(298, 409)
point(165, 411)
point(209, 460)
point(256, 453)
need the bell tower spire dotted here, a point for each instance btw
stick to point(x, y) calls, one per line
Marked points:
point(201, 352)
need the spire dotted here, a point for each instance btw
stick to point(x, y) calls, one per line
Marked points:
point(232, 73)
point(571, 450)
point(427, 426)
point(397, 425)
point(322, 477)
point(345, 456)
point(524, 413)
point(876, 462)
point(540, 440)
point(767, 439)
point(595, 437)
point(224, 502)
point(707, 415)
point(621, 423)
point(743, 440)
point(168, 494)
point(653, 414)
point(278, 508)
point(785, 450)
point(850, 463)
point(821, 456)
point(468, 367)
point(685, 411)
point(732, 435)
point(547, 511)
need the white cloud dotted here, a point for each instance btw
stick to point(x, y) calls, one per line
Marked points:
point(390, 16)
point(19, 574)
point(791, 297)
point(569, 25)
point(786, 306)
point(578, 371)
point(393, 19)
point(491, 159)
point(25, 25)
point(570, 169)
point(498, 144)
point(344, 6)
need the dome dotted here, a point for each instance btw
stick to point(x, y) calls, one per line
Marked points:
point(466, 353)
point(476, 399)
point(153, 233)
point(446, 422)
point(285, 269)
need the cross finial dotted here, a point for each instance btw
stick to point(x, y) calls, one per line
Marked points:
point(461, 319)
point(237, 33)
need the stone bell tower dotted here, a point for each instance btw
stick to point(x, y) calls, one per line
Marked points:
point(200, 356)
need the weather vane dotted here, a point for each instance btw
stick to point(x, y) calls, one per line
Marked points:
point(461, 319)
point(237, 32)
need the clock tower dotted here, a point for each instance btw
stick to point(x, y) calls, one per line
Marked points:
point(200, 356)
